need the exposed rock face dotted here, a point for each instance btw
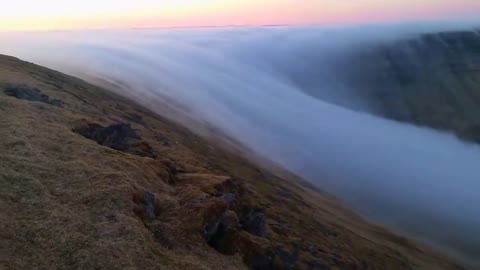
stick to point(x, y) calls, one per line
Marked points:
point(119, 136)
point(31, 94)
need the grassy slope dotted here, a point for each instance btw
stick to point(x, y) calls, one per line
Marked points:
point(433, 81)
point(449, 98)
point(67, 202)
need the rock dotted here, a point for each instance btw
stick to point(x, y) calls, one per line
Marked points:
point(232, 191)
point(254, 222)
point(114, 136)
point(222, 234)
point(120, 136)
point(150, 209)
point(31, 94)
point(25, 92)
point(210, 230)
point(229, 199)
point(147, 205)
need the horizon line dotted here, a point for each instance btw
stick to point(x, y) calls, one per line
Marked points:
point(333, 24)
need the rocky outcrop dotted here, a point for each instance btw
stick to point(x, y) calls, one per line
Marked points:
point(222, 234)
point(31, 94)
point(120, 136)
point(241, 227)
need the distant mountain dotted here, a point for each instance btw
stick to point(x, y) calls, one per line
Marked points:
point(436, 82)
point(432, 79)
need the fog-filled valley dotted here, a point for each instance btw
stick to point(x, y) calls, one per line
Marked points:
point(385, 118)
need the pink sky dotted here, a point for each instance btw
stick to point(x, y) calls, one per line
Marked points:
point(61, 14)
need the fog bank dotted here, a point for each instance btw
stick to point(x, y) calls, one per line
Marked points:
point(249, 83)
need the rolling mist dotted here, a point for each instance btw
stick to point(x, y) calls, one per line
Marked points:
point(285, 92)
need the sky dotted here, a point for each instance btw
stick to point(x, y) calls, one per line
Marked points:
point(87, 14)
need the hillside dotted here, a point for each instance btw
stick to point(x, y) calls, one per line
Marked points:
point(437, 77)
point(90, 180)
point(431, 79)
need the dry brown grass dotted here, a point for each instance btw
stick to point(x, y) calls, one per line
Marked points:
point(67, 202)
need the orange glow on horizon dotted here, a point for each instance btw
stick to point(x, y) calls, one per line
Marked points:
point(58, 15)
